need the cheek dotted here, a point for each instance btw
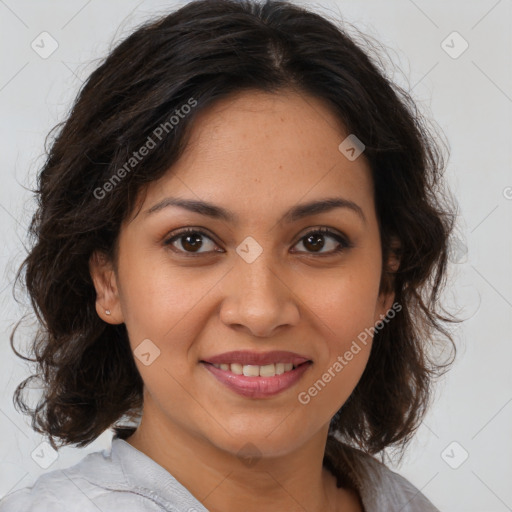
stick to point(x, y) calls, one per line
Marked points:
point(158, 298)
point(345, 342)
point(343, 310)
point(344, 304)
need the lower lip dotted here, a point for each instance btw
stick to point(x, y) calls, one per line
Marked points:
point(258, 387)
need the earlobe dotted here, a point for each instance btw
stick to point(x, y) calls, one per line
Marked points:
point(385, 310)
point(105, 283)
point(391, 266)
point(395, 249)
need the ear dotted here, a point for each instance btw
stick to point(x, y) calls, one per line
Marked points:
point(105, 283)
point(390, 267)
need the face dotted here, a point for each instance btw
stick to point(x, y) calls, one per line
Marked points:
point(261, 273)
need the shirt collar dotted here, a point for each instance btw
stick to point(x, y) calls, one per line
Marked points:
point(141, 475)
point(147, 478)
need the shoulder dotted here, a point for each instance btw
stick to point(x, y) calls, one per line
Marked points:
point(77, 488)
point(391, 491)
point(381, 489)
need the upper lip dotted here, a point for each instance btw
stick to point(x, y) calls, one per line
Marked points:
point(246, 357)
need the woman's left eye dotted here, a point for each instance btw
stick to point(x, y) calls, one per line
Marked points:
point(191, 241)
point(315, 241)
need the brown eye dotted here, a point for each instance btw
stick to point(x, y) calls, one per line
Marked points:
point(316, 240)
point(191, 241)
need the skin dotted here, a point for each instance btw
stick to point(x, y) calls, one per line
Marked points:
point(257, 155)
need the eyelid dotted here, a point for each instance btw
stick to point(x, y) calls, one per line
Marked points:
point(325, 230)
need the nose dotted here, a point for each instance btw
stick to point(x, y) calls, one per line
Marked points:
point(257, 299)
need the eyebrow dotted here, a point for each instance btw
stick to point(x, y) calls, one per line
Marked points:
point(292, 215)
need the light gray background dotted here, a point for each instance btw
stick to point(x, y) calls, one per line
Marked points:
point(470, 97)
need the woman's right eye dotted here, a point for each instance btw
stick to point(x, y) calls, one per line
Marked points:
point(191, 241)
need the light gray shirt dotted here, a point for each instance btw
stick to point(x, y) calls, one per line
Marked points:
point(124, 479)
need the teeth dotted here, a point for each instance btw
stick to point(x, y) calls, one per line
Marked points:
point(250, 370)
point(236, 368)
point(269, 370)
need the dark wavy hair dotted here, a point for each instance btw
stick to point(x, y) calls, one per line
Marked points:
point(209, 50)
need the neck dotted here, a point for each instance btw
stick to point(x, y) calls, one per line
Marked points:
point(227, 482)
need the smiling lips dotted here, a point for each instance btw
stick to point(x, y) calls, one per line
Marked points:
point(257, 375)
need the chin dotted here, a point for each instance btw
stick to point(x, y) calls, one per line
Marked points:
point(257, 442)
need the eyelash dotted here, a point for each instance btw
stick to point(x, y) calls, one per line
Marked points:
point(343, 242)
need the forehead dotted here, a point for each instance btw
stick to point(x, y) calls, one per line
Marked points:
point(256, 151)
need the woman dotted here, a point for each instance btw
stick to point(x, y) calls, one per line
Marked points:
point(240, 242)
